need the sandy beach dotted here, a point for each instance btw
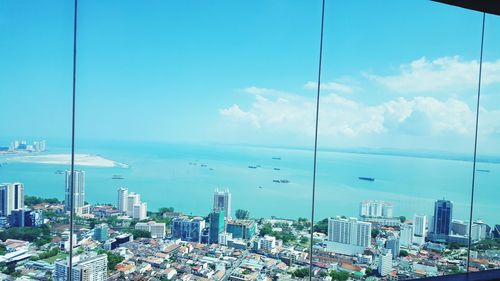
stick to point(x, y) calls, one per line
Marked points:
point(65, 159)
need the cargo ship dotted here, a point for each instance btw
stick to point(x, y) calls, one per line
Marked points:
point(366, 179)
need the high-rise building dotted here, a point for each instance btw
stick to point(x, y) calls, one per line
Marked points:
point(216, 223)
point(122, 199)
point(25, 218)
point(479, 231)
point(374, 208)
point(459, 227)
point(419, 224)
point(393, 244)
point(385, 263)
point(188, 229)
point(244, 229)
point(85, 268)
point(406, 235)
point(132, 200)
point(222, 202)
point(156, 229)
point(496, 231)
point(11, 198)
point(140, 211)
point(101, 232)
point(348, 236)
point(78, 194)
point(443, 214)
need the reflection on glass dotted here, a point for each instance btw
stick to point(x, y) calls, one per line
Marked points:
point(485, 229)
point(396, 137)
point(190, 170)
point(35, 94)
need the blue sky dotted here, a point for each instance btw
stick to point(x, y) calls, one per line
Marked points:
point(397, 74)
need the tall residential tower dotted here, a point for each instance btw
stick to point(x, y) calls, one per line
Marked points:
point(11, 198)
point(222, 202)
point(79, 191)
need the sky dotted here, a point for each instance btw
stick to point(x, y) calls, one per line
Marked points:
point(396, 74)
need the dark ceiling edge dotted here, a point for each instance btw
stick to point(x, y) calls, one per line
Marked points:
point(487, 6)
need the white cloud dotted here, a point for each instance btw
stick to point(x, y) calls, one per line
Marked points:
point(340, 116)
point(234, 112)
point(262, 91)
point(331, 86)
point(442, 74)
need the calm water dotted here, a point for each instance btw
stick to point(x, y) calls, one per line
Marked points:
point(162, 175)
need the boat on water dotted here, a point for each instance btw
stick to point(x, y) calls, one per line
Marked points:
point(117, 177)
point(59, 172)
point(211, 169)
point(276, 158)
point(203, 165)
point(277, 169)
point(366, 178)
point(252, 167)
point(281, 181)
point(483, 170)
point(260, 186)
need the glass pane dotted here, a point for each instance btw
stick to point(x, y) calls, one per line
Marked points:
point(196, 131)
point(396, 132)
point(35, 135)
point(485, 230)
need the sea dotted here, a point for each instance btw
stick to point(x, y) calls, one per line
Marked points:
point(184, 176)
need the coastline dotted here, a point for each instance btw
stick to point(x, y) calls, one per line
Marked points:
point(87, 160)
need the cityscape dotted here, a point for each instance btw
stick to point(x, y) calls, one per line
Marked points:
point(249, 140)
point(123, 240)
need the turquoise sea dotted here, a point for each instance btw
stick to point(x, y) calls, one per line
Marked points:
point(164, 177)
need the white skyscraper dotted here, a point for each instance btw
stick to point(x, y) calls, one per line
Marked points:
point(122, 199)
point(374, 208)
point(132, 199)
point(348, 236)
point(11, 198)
point(140, 211)
point(79, 192)
point(406, 235)
point(85, 268)
point(478, 231)
point(419, 224)
point(385, 263)
point(222, 202)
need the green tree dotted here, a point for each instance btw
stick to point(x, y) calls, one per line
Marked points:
point(304, 240)
point(375, 232)
point(403, 253)
point(165, 209)
point(321, 226)
point(453, 246)
point(301, 272)
point(242, 214)
point(339, 275)
point(267, 229)
point(39, 235)
point(113, 259)
point(402, 219)
point(139, 233)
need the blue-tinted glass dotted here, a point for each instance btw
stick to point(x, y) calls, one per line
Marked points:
point(195, 130)
point(395, 140)
point(35, 135)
